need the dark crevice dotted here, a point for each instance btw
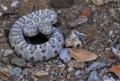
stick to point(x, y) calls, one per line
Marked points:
point(38, 39)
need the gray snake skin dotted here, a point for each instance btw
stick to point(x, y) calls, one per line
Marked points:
point(30, 25)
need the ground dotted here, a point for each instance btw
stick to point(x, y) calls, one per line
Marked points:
point(101, 29)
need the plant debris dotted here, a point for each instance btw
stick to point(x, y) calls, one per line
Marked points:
point(82, 55)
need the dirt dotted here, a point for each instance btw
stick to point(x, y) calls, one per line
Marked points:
point(103, 19)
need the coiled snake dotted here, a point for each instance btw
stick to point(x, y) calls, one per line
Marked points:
point(30, 25)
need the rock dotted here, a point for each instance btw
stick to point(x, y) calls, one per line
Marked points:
point(73, 39)
point(25, 71)
point(41, 73)
point(79, 21)
point(97, 65)
point(111, 79)
point(110, 33)
point(70, 69)
point(62, 68)
point(4, 7)
point(15, 71)
point(94, 76)
point(77, 72)
point(68, 76)
point(20, 62)
point(76, 64)
point(70, 72)
point(14, 4)
point(7, 52)
point(80, 35)
point(105, 77)
point(115, 48)
point(10, 71)
point(5, 60)
point(98, 2)
point(1, 14)
point(65, 55)
point(5, 71)
point(48, 68)
point(103, 71)
point(61, 3)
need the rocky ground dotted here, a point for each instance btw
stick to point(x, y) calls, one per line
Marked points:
point(102, 28)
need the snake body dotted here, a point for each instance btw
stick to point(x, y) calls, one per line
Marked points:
point(30, 25)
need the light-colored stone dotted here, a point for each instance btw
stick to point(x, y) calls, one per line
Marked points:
point(7, 52)
point(25, 71)
point(72, 40)
point(116, 46)
point(15, 71)
point(65, 55)
point(20, 62)
point(40, 73)
point(4, 7)
point(77, 72)
point(79, 21)
point(94, 76)
point(111, 79)
point(98, 2)
point(5, 71)
point(70, 69)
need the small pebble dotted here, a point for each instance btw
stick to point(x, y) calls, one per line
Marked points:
point(77, 72)
point(4, 7)
point(1, 14)
point(5, 71)
point(111, 79)
point(7, 52)
point(79, 21)
point(70, 69)
point(110, 33)
point(14, 4)
point(5, 60)
point(115, 48)
point(25, 71)
point(41, 73)
point(98, 2)
point(65, 55)
point(47, 68)
point(73, 39)
point(94, 76)
point(15, 71)
point(20, 62)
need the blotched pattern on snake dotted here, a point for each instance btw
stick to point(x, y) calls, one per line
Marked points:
point(30, 25)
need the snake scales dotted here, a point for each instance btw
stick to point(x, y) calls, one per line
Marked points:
point(30, 25)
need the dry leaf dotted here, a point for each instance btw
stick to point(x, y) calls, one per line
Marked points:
point(86, 12)
point(111, 54)
point(82, 55)
point(116, 70)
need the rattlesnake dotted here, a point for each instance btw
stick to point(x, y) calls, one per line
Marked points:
point(30, 25)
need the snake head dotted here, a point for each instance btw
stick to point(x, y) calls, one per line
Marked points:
point(30, 31)
point(45, 28)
